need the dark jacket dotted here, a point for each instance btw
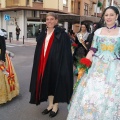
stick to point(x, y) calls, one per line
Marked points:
point(89, 40)
point(2, 48)
point(59, 68)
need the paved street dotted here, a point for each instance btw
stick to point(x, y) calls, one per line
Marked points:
point(19, 108)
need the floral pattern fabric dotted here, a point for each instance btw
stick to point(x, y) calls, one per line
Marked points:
point(97, 96)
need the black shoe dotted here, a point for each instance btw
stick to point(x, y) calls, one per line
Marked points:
point(46, 111)
point(53, 114)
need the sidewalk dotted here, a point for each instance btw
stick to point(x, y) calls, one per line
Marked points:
point(27, 42)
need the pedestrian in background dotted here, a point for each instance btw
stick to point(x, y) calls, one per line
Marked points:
point(17, 32)
point(52, 73)
point(89, 40)
point(9, 87)
point(97, 96)
point(81, 50)
point(72, 36)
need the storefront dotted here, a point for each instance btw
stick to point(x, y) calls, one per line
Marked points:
point(31, 25)
point(33, 28)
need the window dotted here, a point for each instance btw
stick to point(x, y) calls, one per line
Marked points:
point(78, 5)
point(33, 13)
point(27, 2)
point(65, 2)
point(37, 0)
point(85, 9)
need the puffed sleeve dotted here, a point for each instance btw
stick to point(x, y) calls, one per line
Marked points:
point(94, 46)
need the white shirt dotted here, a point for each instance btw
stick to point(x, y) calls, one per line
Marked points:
point(47, 39)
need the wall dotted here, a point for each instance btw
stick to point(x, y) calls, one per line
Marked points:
point(53, 4)
point(3, 4)
point(23, 3)
point(58, 4)
point(10, 25)
point(69, 5)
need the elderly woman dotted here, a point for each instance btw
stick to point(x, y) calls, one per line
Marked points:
point(52, 76)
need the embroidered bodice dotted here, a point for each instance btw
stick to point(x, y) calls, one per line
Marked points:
point(108, 47)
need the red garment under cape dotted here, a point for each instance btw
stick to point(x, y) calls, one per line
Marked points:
point(42, 64)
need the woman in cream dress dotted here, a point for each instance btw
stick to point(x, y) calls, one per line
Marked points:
point(9, 87)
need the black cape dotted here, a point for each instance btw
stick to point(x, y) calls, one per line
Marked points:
point(58, 70)
point(2, 48)
point(89, 40)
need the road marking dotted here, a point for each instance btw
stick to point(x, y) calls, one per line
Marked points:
point(12, 45)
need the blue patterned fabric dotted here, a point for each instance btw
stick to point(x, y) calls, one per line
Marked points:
point(97, 96)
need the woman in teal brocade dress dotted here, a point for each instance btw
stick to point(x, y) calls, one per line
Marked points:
point(97, 96)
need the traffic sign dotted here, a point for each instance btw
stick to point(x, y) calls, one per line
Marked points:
point(6, 17)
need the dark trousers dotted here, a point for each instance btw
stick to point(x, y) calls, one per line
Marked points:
point(17, 37)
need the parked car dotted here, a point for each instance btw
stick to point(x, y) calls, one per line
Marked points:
point(4, 33)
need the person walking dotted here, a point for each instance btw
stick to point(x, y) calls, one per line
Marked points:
point(52, 73)
point(97, 95)
point(17, 32)
point(9, 86)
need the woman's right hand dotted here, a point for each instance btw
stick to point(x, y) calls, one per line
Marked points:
point(90, 55)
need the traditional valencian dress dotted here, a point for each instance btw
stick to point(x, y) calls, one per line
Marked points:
point(97, 96)
point(9, 87)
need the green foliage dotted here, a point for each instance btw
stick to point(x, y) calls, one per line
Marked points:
point(99, 4)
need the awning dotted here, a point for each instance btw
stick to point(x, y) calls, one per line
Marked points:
point(72, 18)
point(89, 18)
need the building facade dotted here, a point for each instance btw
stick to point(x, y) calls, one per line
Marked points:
point(29, 15)
point(88, 11)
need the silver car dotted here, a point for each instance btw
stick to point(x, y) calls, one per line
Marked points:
point(4, 32)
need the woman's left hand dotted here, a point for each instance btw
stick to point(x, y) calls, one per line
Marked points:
point(81, 40)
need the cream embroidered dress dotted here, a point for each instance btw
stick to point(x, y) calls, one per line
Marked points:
point(97, 96)
point(9, 87)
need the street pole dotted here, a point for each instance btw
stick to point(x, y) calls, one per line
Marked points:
point(96, 7)
point(23, 39)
